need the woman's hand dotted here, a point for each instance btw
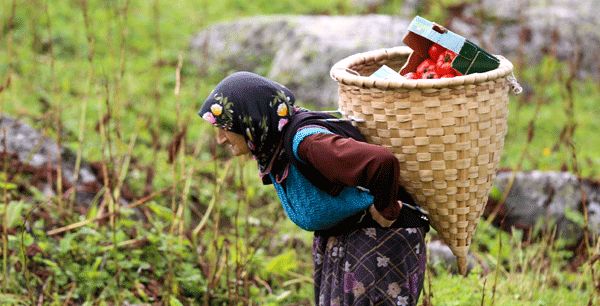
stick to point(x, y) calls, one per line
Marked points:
point(383, 222)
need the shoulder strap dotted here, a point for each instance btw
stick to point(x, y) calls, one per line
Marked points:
point(330, 122)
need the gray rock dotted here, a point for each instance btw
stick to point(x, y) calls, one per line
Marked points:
point(303, 63)
point(441, 254)
point(39, 151)
point(537, 196)
point(22, 140)
point(565, 28)
point(300, 50)
point(368, 3)
point(240, 45)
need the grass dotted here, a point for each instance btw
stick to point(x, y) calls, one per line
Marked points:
point(111, 80)
point(558, 117)
point(532, 271)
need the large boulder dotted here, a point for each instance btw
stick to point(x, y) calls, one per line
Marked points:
point(297, 51)
point(39, 151)
point(550, 199)
point(530, 29)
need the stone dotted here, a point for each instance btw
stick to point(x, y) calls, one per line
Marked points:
point(568, 29)
point(40, 152)
point(441, 254)
point(300, 50)
point(547, 197)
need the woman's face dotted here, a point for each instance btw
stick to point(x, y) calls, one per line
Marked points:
point(236, 142)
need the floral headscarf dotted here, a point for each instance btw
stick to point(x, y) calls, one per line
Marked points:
point(255, 107)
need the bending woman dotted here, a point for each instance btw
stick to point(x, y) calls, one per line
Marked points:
point(367, 248)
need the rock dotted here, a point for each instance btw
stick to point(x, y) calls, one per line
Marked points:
point(548, 196)
point(24, 140)
point(299, 49)
point(240, 45)
point(40, 152)
point(368, 3)
point(441, 254)
point(565, 28)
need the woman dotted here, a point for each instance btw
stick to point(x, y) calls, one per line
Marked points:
point(368, 249)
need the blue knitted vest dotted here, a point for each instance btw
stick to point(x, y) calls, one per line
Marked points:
point(311, 208)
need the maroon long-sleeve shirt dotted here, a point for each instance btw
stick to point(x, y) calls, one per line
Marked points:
point(355, 163)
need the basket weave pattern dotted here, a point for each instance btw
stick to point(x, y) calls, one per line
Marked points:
point(447, 135)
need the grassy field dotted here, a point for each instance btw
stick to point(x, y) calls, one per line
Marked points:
point(111, 80)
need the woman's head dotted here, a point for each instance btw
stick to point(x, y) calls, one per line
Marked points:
point(252, 106)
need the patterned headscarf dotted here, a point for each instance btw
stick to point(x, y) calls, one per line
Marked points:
point(255, 107)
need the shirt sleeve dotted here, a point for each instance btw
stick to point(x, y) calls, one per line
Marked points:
point(354, 163)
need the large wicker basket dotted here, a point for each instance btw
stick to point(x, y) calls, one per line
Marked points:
point(447, 134)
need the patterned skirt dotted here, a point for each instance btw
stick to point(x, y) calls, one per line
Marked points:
point(370, 266)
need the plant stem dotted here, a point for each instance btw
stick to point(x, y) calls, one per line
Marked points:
point(4, 170)
point(132, 205)
point(57, 111)
point(218, 185)
point(497, 267)
point(531, 132)
point(571, 125)
point(82, 117)
point(5, 215)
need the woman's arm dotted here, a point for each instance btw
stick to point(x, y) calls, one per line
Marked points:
point(354, 163)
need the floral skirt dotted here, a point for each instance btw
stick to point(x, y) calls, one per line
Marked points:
point(370, 266)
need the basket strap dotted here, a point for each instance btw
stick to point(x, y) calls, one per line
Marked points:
point(341, 112)
point(512, 81)
point(413, 207)
point(514, 84)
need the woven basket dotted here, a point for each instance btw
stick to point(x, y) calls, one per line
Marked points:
point(447, 134)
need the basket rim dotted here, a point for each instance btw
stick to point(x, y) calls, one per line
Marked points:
point(340, 72)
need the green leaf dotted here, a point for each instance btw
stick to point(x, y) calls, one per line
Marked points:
point(175, 302)
point(13, 211)
point(65, 243)
point(283, 295)
point(97, 263)
point(8, 186)
point(575, 216)
point(161, 211)
point(127, 222)
point(144, 266)
point(88, 231)
point(495, 194)
point(92, 212)
point(283, 263)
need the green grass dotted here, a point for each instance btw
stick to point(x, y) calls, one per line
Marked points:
point(563, 122)
point(532, 272)
point(106, 73)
